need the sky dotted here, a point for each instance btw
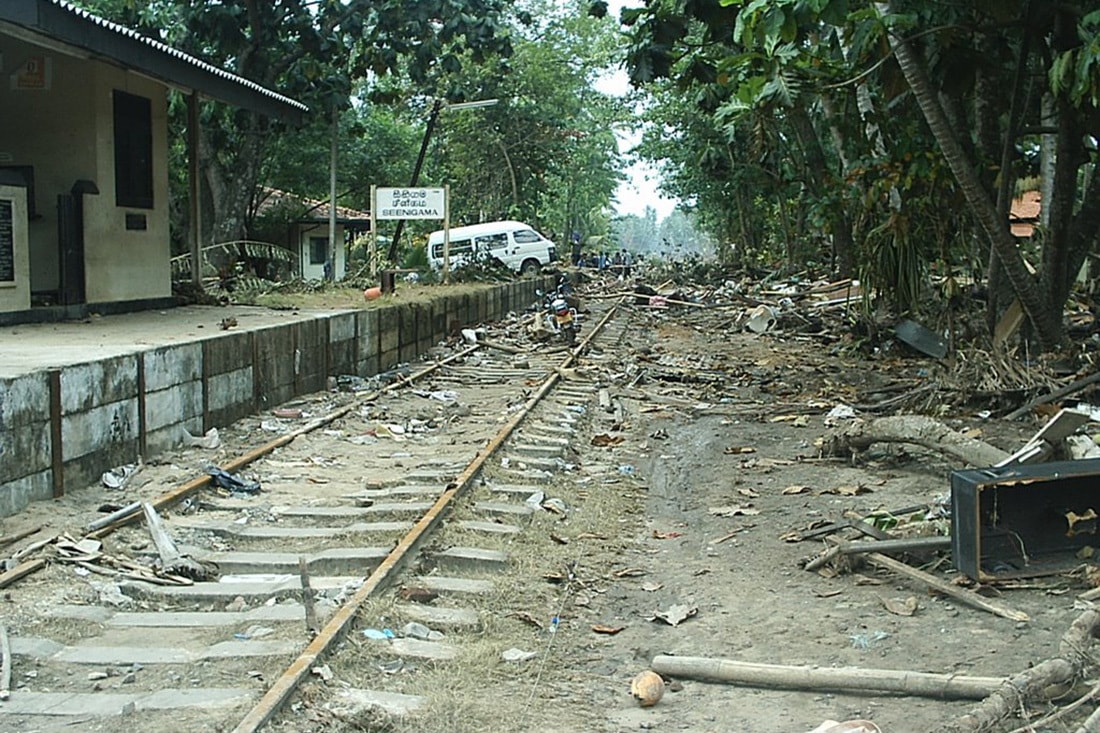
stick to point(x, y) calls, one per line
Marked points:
point(640, 188)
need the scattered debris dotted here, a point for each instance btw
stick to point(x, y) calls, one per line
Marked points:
point(607, 630)
point(172, 561)
point(675, 614)
point(517, 655)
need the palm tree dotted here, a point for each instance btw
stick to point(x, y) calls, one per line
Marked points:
point(1045, 317)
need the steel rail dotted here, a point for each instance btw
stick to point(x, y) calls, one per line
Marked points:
point(199, 482)
point(279, 692)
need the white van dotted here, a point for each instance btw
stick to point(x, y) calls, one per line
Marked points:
point(514, 243)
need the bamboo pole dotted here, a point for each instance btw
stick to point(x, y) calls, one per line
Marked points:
point(837, 679)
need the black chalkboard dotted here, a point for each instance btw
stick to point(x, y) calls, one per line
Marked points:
point(7, 242)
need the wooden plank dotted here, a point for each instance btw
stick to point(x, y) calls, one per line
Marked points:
point(963, 595)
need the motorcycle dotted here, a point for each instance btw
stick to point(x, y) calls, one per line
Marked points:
point(559, 313)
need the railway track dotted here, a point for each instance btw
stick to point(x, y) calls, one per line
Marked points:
point(380, 527)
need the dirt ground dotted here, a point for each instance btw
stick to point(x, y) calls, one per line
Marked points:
point(752, 454)
point(719, 463)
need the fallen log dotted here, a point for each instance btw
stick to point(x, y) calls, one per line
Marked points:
point(836, 679)
point(1031, 684)
point(857, 437)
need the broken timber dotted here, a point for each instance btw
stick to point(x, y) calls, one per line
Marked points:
point(964, 595)
point(856, 679)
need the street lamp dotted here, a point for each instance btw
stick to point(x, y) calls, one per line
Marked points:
point(438, 106)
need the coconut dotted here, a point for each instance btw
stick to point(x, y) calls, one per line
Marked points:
point(647, 688)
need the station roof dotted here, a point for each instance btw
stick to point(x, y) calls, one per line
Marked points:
point(60, 25)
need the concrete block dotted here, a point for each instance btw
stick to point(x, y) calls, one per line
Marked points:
point(490, 527)
point(355, 702)
point(24, 400)
point(504, 509)
point(16, 495)
point(336, 561)
point(98, 428)
point(536, 450)
point(446, 585)
point(176, 404)
point(313, 346)
point(119, 655)
point(330, 512)
point(470, 558)
point(229, 390)
point(231, 351)
point(522, 463)
point(440, 617)
point(239, 649)
point(389, 330)
point(24, 450)
point(84, 386)
point(368, 335)
point(262, 532)
point(168, 366)
point(341, 326)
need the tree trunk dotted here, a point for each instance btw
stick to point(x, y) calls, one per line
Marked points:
point(1046, 321)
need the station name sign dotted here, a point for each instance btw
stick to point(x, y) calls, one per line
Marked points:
point(411, 203)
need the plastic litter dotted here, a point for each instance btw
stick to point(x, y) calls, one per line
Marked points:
point(378, 634)
point(209, 440)
point(233, 482)
point(118, 477)
point(762, 318)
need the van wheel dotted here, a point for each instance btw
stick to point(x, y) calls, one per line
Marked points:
point(530, 268)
